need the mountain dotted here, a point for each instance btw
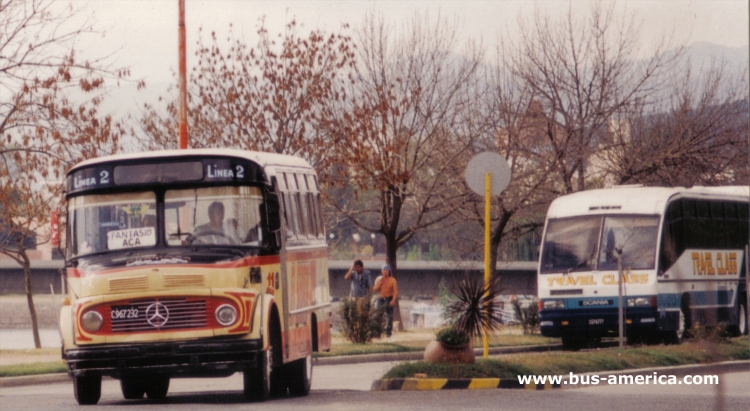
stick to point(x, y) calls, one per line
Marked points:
point(702, 54)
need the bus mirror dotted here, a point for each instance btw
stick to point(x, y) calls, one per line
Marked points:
point(273, 212)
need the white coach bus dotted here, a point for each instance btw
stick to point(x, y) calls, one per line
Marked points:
point(682, 253)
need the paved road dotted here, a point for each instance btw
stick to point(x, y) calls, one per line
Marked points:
point(344, 387)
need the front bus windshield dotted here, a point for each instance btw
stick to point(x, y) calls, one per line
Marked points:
point(213, 216)
point(574, 244)
point(111, 222)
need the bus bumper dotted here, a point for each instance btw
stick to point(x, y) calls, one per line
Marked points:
point(178, 359)
point(597, 323)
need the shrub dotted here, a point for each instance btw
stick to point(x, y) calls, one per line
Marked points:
point(718, 334)
point(527, 316)
point(360, 320)
point(475, 310)
point(451, 336)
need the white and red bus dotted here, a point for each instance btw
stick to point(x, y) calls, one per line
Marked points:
point(194, 263)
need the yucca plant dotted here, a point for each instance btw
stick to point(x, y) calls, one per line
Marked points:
point(474, 308)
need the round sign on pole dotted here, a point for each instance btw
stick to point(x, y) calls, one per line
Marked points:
point(488, 162)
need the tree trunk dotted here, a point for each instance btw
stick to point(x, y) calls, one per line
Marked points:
point(496, 237)
point(30, 301)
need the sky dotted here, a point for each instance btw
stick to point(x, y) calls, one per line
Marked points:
point(144, 32)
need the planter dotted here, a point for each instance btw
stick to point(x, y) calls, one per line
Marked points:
point(440, 353)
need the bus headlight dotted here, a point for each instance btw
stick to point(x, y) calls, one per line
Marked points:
point(226, 315)
point(552, 304)
point(639, 302)
point(92, 321)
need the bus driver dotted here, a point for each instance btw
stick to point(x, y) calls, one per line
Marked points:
point(213, 231)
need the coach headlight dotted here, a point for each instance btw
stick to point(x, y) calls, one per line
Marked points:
point(92, 321)
point(552, 304)
point(226, 315)
point(639, 302)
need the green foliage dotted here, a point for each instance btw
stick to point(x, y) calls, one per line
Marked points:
point(32, 369)
point(475, 309)
point(563, 363)
point(527, 316)
point(451, 336)
point(360, 320)
point(718, 334)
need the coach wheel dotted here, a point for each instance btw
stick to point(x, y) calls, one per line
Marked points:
point(300, 376)
point(87, 389)
point(157, 387)
point(742, 320)
point(571, 343)
point(132, 388)
point(257, 381)
point(682, 322)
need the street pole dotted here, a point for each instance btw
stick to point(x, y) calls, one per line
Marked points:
point(620, 308)
point(182, 114)
point(487, 274)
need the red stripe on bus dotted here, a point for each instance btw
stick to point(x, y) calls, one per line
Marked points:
point(245, 262)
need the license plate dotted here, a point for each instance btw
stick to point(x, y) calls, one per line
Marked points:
point(596, 321)
point(124, 313)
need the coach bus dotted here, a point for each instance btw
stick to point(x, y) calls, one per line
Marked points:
point(194, 263)
point(682, 256)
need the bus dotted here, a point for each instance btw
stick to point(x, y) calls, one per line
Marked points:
point(194, 263)
point(682, 253)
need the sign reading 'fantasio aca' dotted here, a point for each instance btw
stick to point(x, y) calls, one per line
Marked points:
point(133, 237)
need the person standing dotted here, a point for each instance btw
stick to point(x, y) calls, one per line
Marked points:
point(361, 280)
point(388, 288)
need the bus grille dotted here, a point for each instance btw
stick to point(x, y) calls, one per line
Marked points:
point(163, 314)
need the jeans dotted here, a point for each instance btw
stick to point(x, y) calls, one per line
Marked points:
point(388, 314)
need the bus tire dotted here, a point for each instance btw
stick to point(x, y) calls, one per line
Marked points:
point(157, 387)
point(132, 388)
point(683, 324)
point(570, 343)
point(742, 323)
point(300, 376)
point(87, 389)
point(677, 336)
point(257, 380)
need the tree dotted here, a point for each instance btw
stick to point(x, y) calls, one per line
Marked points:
point(269, 98)
point(584, 71)
point(406, 128)
point(49, 120)
point(698, 136)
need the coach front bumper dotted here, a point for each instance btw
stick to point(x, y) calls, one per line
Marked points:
point(181, 358)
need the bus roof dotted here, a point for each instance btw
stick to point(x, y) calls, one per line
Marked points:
point(635, 199)
point(261, 158)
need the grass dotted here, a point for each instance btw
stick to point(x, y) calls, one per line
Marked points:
point(578, 362)
point(18, 370)
point(417, 341)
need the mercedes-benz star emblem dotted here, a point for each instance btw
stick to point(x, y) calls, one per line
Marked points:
point(157, 314)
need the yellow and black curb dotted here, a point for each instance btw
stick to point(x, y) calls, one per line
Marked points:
point(431, 384)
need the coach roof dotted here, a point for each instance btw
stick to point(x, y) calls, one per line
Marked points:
point(261, 158)
point(635, 199)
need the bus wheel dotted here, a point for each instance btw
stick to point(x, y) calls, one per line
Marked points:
point(570, 343)
point(87, 389)
point(681, 331)
point(257, 381)
point(300, 376)
point(157, 387)
point(742, 316)
point(132, 388)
